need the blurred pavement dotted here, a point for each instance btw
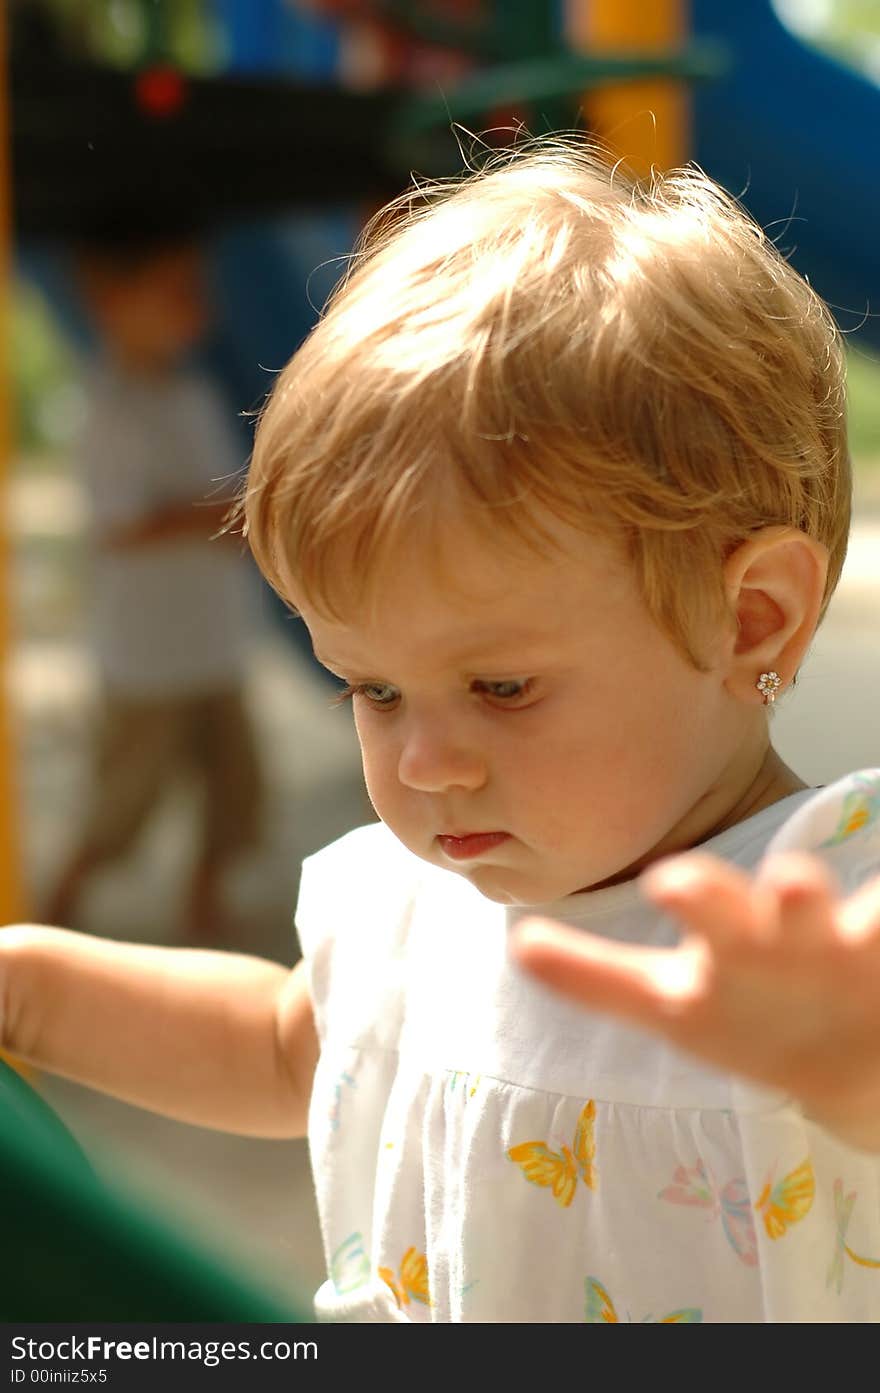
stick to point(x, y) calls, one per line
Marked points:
point(254, 1198)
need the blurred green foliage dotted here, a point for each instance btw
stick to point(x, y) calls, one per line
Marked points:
point(44, 376)
point(125, 33)
point(853, 33)
point(863, 379)
point(848, 30)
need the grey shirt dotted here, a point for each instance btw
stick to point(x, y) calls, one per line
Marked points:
point(169, 618)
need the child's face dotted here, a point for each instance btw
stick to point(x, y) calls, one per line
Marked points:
point(535, 700)
point(154, 314)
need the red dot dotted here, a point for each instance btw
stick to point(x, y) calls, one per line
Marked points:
point(160, 92)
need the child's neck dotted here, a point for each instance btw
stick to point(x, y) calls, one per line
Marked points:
point(773, 781)
point(759, 787)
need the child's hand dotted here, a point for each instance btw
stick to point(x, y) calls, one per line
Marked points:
point(777, 979)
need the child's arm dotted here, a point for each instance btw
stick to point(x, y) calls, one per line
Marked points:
point(215, 1039)
point(777, 979)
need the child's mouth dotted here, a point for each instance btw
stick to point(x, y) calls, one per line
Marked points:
point(471, 844)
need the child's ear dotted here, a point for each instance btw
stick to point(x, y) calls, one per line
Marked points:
point(775, 583)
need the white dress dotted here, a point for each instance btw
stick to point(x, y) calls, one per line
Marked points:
point(484, 1151)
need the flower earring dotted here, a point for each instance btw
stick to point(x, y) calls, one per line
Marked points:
point(768, 685)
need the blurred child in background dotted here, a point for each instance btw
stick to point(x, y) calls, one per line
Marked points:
point(169, 610)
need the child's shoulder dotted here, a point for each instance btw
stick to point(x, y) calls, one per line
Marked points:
point(365, 871)
point(840, 823)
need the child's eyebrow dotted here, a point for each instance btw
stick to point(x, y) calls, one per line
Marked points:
point(516, 645)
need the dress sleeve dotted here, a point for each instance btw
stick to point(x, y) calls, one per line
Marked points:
point(840, 824)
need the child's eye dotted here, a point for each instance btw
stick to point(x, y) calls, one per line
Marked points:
point(376, 693)
point(509, 691)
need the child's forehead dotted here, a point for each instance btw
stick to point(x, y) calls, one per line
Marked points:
point(469, 588)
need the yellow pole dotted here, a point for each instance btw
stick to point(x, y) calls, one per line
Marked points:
point(646, 122)
point(12, 896)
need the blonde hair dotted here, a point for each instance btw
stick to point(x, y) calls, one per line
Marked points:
point(546, 334)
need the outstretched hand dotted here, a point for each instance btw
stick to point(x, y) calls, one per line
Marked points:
point(776, 979)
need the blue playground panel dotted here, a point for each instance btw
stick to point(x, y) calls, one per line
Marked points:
point(271, 37)
point(798, 136)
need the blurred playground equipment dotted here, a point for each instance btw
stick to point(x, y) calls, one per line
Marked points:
point(277, 160)
point(77, 1250)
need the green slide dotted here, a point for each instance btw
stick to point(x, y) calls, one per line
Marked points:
point(75, 1250)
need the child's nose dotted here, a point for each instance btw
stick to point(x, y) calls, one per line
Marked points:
point(434, 758)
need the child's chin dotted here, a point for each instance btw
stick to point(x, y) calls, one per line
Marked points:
point(502, 886)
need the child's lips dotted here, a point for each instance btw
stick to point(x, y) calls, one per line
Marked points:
point(468, 844)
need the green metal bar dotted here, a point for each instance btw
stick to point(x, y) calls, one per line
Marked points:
point(478, 38)
point(550, 78)
point(507, 31)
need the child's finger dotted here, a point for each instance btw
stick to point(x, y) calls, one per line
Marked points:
point(645, 985)
point(859, 917)
point(806, 896)
point(713, 899)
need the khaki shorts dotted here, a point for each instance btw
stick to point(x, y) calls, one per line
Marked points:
point(145, 747)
